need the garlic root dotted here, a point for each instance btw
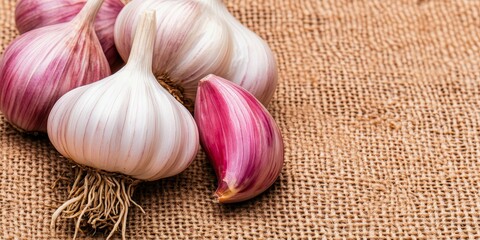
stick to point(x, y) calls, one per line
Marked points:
point(98, 200)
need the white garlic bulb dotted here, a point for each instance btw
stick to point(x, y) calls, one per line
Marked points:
point(126, 123)
point(200, 37)
point(191, 40)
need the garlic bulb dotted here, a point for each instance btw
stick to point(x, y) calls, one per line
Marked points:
point(41, 65)
point(240, 137)
point(126, 123)
point(200, 37)
point(191, 41)
point(252, 64)
point(33, 14)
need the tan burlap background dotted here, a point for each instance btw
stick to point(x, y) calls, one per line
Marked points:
point(379, 104)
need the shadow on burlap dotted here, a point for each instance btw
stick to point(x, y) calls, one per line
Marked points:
point(379, 104)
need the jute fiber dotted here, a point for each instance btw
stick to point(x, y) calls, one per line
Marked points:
point(379, 106)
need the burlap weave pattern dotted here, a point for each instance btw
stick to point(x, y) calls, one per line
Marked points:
point(379, 105)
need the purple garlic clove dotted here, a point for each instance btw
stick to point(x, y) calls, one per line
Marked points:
point(240, 137)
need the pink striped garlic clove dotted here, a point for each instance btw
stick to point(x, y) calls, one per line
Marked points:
point(33, 14)
point(240, 137)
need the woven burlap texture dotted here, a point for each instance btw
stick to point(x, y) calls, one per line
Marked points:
point(379, 106)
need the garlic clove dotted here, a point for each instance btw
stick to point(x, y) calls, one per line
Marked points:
point(191, 41)
point(252, 65)
point(58, 58)
point(33, 14)
point(240, 137)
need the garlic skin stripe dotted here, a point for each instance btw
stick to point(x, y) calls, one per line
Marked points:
point(252, 65)
point(41, 65)
point(191, 40)
point(33, 14)
point(240, 137)
point(126, 123)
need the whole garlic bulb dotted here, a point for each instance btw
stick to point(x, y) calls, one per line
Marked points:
point(33, 14)
point(191, 40)
point(41, 65)
point(240, 137)
point(252, 64)
point(126, 123)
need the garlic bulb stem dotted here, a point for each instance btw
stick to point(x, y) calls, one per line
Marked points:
point(142, 49)
point(87, 15)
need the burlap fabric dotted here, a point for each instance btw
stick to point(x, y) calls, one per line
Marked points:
point(379, 104)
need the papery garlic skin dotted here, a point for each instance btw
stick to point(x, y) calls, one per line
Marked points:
point(252, 65)
point(126, 123)
point(41, 65)
point(240, 137)
point(191, 40)
point(33, 14)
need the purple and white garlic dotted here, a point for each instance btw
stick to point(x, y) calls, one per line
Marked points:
point(126, 128)
point(41, 65)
